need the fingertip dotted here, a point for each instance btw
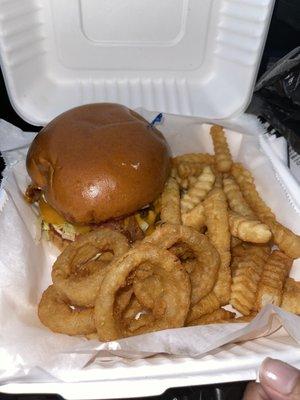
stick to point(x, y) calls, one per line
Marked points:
point(278, 376)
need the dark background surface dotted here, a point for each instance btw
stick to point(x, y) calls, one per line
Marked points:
point(284, 36)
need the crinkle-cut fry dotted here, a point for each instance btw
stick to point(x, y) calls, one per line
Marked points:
point(291, 296)
point(246, 183)
point(235, 199)
point(183, 183)
point(222, 152)
point(248, 229)
point(234, 265)
point(286, 240)
point(244, 252)
point(186, 183)
point(241, 173)
point(216, 216)
point(202, 158)
point(198, 191)
point(249, 249)
point(275, 272)
point(187, 169)
point(219, 316)
point(244, 286)
point(207, 305)
point(170, 203)
point(218, 180)
point(194, 218)
point(191, 180)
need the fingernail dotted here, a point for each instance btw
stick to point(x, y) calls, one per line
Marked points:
point(278, 375)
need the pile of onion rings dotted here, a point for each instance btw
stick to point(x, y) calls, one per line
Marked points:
point(104, 288)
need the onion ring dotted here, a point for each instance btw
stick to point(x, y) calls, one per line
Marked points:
point(149, 289)
point(81, 288)
point(176, 296)
point(207, 257)
point(135, 316)
point(58, 316)
point(123, 299)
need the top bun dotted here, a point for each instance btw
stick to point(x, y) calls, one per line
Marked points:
point(98, 161)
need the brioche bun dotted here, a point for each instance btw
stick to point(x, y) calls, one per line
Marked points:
point(98, 161)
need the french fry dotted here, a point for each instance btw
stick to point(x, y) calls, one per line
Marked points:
point(186, 183)
point(275, 272)
point(235, 199)
point(286, 240)
point(198, 191)
point(218, 180)
point(194, 218)
point(183, 183)
point(222, 153)
point(170, 203)
point(246, 182)
point(244, 287)
point(245, 252)
point(291, 296)
point(249, 263)
point(216, 317)
point(192, 180)
point(248, 229)
point(241, 174)
point(234, 265)
point(186, 169)
point(216, 217)
point(202, 158)
point(262, 251)
point(207, 305)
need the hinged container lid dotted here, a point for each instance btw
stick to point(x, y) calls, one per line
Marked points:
point(189, 57)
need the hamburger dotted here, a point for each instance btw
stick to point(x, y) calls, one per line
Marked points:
point(95, 165)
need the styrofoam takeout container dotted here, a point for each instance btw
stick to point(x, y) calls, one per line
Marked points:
point(187, 57)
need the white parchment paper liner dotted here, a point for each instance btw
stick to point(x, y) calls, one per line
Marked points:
point(25, 266)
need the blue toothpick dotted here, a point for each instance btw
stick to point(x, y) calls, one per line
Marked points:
point(156, 120)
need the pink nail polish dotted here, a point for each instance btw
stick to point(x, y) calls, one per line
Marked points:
point(278, 375)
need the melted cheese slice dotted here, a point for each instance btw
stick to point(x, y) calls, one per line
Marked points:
point(51, 216)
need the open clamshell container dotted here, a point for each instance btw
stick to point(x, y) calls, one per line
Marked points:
point(186, 57)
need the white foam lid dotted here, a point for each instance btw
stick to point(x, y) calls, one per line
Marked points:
point(188, 57)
